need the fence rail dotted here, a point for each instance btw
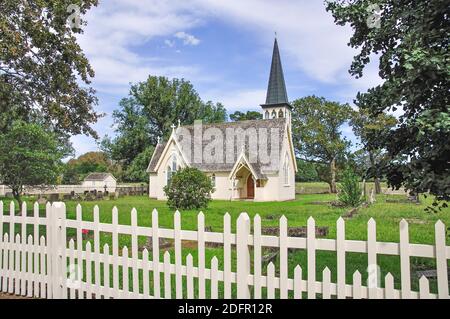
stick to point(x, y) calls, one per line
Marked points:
point(43, 263)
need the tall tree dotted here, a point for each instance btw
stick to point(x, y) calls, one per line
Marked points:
point(149, 111)
point(368, 128)
point(411, 39)
point(249, 115)
point(76, 169)
point(42, 67)
point(29, 156)
point(316, 125)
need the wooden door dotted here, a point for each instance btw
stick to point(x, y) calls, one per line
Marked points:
point(250, 187)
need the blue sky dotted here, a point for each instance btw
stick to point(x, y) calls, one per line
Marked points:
point(223, 47)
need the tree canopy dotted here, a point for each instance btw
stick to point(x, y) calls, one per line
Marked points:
point(42, 67)
point(249, 115)
point(316, 133)
point(411, 42)
point(30, 156)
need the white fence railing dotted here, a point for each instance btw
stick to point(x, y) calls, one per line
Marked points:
point(40, 261)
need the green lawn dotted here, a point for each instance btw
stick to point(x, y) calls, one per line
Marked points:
point(387, 215)
point(322, 187)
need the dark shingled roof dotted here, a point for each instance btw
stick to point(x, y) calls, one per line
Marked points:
point(279, 124)
point(97, 176)
point(276, 91)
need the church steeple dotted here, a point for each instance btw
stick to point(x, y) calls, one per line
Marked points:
point(277, 103)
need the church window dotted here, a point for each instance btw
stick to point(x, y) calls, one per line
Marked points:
point(213, 180)
point(286, 171)
point(274, 114)
point(172, 168)
point(280, 114)
point(267, 116)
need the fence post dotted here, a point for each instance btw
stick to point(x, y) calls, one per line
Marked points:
point(55, 249)
point(243, 256)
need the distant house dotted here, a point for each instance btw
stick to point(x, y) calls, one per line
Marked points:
point(98, 181)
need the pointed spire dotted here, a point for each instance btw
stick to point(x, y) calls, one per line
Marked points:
point(276, 91)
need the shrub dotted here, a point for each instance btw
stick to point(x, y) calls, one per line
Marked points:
point(189, 188)
point(350, 191)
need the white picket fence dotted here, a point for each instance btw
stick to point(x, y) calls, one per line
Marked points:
point(43, 266)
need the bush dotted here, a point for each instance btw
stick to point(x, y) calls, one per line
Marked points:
point(189, 188)
point(350, 191)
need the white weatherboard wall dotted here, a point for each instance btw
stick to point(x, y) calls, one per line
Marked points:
point(31, 264)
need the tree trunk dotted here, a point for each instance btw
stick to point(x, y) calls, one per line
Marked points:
point(18, 198)
point(376, 177)
point(333, 188)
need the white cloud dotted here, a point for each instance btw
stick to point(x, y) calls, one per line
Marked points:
point(238, 100)
point(188, 39)
point(169, 43)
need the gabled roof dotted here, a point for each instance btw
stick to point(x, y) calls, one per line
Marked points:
point(98, 176)
point(276, 90)
point(279, 123)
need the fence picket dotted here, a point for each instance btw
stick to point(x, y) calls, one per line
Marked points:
point(357, 285)
point(283, 257)
point(326, 281)
point(17, 273)
point(389, 286)
point(189, 277)
point(167, 276)
point(424, 288)
point(404, 260)
point(134, 253)
point(298, 282)
point(227, 255)
point(311, 255)
point(125, 274)
point(88, 271)
point(5, 268)
point(340, 254)
point(97, 279)
point(441, 260)
point(11, 247)
point(23, 260)
point(214, 277)
point(201, 254)
point(43, 270)
point(106, 268)
point(372, 267)
point(115, 251)
point(145, 271)
point(257, 257)
point(48, 259)
point(243, 256)
point(36, 244)
point(73, 269)
point(155, 243)
point(270, 281)
point(79, 219)
point(2, 273)
point(29, 257)
point(177, 247)
point(62, 242)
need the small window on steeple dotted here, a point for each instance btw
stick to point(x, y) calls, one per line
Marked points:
point(266, 115)
point(280, 114)
point(274, 114)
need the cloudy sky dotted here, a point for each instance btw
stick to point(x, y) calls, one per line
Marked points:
point(223, 47)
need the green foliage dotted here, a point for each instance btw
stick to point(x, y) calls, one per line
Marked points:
point(316, 133)
point(306, 172)
point(250, 115)
point(412, 44)
point(350, 190)
point(149, 111)
point(189, 188)
point(137, 170)
point(42, 68)
point(29, 156)
point(77, 169)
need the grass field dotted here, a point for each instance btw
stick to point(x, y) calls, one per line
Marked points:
point(387, 215)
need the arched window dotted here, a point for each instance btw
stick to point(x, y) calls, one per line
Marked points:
point(172, 168)
point(213, 180)
point(266, 116)
point(280, 114)
point(274, 114)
